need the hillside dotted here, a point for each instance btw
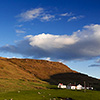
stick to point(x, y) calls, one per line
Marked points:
point(29, 73)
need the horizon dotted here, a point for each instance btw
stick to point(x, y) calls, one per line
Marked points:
point(66, 31)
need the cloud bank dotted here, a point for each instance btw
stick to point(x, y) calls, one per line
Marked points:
point(81, 45)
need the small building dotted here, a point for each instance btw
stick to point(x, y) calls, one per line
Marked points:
point(73, 87)
point(79, 87)
point(60, 85)
point(70, 86)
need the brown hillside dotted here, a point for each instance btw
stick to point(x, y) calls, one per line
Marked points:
point(41, 69)
point(9, 70)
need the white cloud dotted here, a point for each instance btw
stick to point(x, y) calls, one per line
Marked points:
point(31, 14)
point(74, 18)
point(54, 41)
point(47, 17)
point(20, 31)
point(37, 13)
point(43, 15)
point(66, 14)
point(20, 25)
point(81, 45)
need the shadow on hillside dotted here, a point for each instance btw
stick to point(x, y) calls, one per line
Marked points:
point(74, 78)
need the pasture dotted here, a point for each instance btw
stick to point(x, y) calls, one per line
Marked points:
point(50, 94)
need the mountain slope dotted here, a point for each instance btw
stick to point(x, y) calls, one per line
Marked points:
point(42, 69)
point(18, 74)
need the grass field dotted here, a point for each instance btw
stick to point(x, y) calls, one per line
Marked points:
point(50, 94)
point(7, 85)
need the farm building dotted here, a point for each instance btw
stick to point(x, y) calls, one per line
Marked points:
point(70, 86)
point(79, 87)
point(60, 85)
point(73, 87)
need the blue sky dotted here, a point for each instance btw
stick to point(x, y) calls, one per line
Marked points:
point(67, 31)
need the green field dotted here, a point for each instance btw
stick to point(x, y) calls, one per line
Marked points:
point(50, 94)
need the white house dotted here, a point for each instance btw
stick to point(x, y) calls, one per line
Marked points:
point(73, 87)
point(60, 85)
point(70, 86)
point(79, 87)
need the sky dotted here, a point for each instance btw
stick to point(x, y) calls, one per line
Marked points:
point(66, 31)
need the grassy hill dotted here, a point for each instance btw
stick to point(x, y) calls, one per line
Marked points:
point(24, 74)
